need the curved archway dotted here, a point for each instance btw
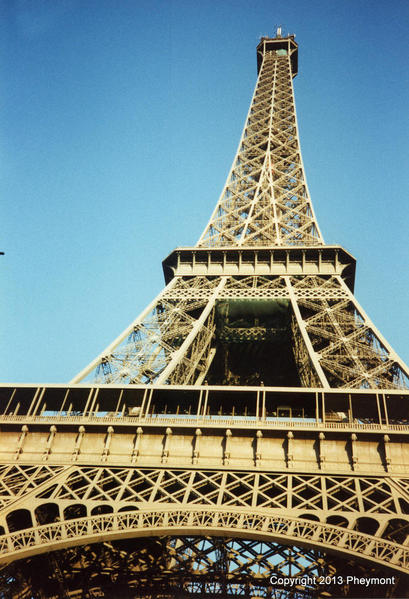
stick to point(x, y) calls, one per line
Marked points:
point(237, 522)
point(368, 526)
point(47, 513)
point(128, 508)
point(396, 531)
point(102, 509)
point(74, 511)
point(144, 565)
point(336, 520)
point(312, 517)
point(19, 520)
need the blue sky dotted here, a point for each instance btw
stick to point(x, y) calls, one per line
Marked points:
point(118, 125)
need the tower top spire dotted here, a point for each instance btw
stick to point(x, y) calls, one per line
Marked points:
point(285, 44)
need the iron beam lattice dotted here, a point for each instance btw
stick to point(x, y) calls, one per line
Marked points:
point(246, 435)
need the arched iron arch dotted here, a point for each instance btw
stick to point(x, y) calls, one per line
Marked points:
point(204, 521)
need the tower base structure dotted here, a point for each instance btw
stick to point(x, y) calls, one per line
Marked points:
point(246, 435)
point(138, 491)
point(197, 566)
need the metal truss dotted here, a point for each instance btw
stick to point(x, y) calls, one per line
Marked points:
point(265, 200)
point(189, 566)
point(160, 340)
point(44, 506)
point(334, 342)
point(223, 533)
point(345, 345)
point(265, 204)
point(257, 334)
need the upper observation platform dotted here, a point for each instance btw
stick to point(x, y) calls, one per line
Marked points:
point(283, 45)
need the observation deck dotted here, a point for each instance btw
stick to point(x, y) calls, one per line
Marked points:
point(282, 45)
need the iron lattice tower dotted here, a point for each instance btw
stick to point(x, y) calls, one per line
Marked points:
point(250, 425)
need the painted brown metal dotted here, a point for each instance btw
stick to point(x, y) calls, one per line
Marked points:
point(248, 429)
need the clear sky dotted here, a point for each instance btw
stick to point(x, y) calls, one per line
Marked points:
point(119, 122)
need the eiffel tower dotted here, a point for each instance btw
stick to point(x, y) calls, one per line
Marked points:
point(246, 435)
